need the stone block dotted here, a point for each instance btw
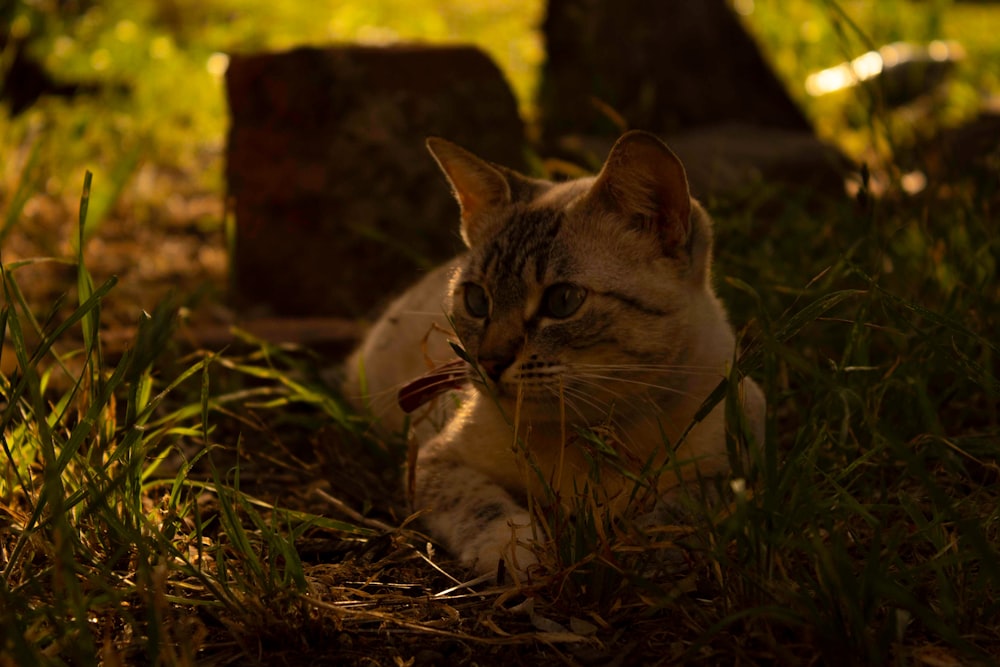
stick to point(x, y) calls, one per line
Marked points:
point(337, 202)
point(658, 66)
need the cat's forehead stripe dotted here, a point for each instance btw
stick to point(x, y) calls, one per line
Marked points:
point(528, 236)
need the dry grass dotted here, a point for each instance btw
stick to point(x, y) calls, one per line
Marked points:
point(218, 509)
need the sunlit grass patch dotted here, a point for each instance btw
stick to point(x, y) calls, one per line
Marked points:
point(124, 522)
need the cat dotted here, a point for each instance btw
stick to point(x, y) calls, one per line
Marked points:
point(580, 310)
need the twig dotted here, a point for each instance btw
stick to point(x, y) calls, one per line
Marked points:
point(352, 514)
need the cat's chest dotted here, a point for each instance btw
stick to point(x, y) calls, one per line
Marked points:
point(544, 459)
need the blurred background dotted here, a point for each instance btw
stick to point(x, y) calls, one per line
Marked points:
point(134, 91)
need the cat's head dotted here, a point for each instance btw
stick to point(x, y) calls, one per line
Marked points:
point(584, 292)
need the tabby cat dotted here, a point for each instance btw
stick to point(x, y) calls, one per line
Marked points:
point(581, 312)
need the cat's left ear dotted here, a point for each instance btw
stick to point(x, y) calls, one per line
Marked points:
point(643, 180)
point(478, 185)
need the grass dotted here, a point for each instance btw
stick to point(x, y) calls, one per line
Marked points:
point(170, 508)
point(157, 509)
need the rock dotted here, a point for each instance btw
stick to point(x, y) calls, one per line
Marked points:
point(337, 202)
point(963, 156)
point(971, 149)
point(658, 66)
point(729, 159)
point(688, 71)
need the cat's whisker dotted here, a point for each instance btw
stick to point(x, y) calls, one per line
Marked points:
point(441, 381)
point(583, 397)
point(622, 434)
point(666, 369)
point(651, 404)
point(573, 400)
point(609, 402)
point(607, 407)
point(570, 403)
point(603, 409)
point(423, 313)
point(579, 391)
point(386, 401)
point(632, 364)
point(596, 380)
point(393, 390)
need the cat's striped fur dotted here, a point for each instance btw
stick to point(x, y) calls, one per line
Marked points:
point(582, 305)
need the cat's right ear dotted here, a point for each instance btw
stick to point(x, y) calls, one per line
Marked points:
point(643, 180)
point(478, 186)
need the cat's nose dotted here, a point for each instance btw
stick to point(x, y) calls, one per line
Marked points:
point(495, 366)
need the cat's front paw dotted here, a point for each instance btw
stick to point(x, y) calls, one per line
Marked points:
point(509, 539)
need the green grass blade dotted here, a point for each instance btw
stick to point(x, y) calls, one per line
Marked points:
point(25, 188)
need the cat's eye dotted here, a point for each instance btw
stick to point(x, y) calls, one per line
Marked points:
point(477, 302)
point(562, 300)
